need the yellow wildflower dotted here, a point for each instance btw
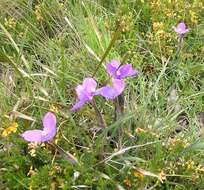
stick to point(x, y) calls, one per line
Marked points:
point(158, 26)
point(169, 13)
point(155, 4)
point(177, 142)
point(10, 129)
point(194, 17)
point(54, 109)
point(32, 148)
point(190, 164)
point(57, 168)
point(31, 172)
point(10, 22)
point(139, 130)
point(138, 175)
point(162, 176)
point(127, 182)
point(38, 13)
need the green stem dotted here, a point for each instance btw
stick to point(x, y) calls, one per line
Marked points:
point(112, 42)
point(69, 157)
point(180, 44)
point(99, 116)
point(119, 107)
point(126, 56)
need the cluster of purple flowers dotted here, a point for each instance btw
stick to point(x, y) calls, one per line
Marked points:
point(85, 93)
point(88, 90)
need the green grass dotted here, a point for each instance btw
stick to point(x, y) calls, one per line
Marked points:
point(50, 46)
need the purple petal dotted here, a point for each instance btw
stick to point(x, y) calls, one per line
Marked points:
point(86, 90)
point(48, 132)
point(107, 92)
point(181, 28)
point(181, 25)
point(79, 91)
point(46, 136)
point(89, 85)
point(78, 105)
point(82, 94)
point(49, 123)
point(187, 30)
point(32, 135)
point(180, 31)
point(119, 85)
point(125, 71)
point(111, 92)
point(112, 67)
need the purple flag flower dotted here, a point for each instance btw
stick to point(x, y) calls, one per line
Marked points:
point(85, 92)
point(111, 92)
point(120, 72)
point(181, 28)
point(48, 132)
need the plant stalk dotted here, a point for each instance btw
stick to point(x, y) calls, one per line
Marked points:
point(99, 116)
point(112, 42)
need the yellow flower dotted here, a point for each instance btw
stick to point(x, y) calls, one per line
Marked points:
point(155, 4)
point(194, 17)
point(10, 22)
point(158, 26)
point(175, 142)
point(190, 164)
point(169, 13)
point(138, 175)
point(139, 130)
point(31, 172)
point(32, 148)
point(54, 109)
point(162, 176)
point(127, 182)
point(38, 13)
point(10, 129)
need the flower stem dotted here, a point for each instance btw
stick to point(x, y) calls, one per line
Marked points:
point(180, 44)
point(119, 107)
point(99, 116)
point(114, 38)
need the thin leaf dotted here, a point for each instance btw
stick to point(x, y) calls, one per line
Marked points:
point(21, 115)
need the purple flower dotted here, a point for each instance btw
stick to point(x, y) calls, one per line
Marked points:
point(85, 92)
point(181, 28)
point(48, 132)
point(120, 72)
point(111, 92)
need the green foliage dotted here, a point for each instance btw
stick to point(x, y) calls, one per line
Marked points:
point(49, 46)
